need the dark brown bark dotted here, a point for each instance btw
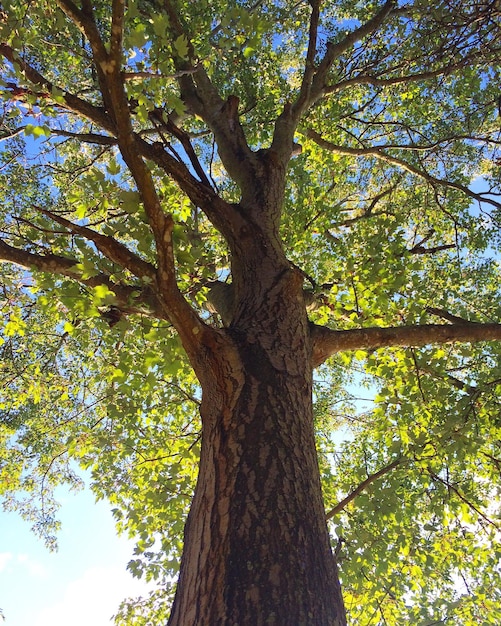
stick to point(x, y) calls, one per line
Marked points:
point(257, 548)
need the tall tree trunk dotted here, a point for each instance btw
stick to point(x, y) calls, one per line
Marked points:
point(257, 549)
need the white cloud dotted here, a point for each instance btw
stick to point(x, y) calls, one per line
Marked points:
point(34, 567)
point(91, 599)
point(5, 557)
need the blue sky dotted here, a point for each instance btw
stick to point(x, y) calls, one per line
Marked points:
point(81, 584)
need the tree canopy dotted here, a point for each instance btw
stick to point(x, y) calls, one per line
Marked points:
point(135, 137)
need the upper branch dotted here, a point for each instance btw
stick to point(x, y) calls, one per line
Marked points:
point(309, 70)
point(379, 153)
point(116, 119)
point(73, 103)
point(198, 192)
point(378, 81)
point(313, 85)
point(117, 29)
point(334, 51)
point(222, 215)
point(363, 485)
point(326, 342)
point(104, 63)
point(184, 138)
point(202, 98)
point(112, 249)
point(129, 298)
point(111, 83)
point(451, 487)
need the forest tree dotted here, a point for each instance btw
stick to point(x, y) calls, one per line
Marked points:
point(222, 224)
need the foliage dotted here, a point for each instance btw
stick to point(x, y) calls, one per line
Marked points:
point(391, 211)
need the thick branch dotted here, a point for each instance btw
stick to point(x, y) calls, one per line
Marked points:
point(129, 299)
point(111, 82)
point(117, 121)
point(71, 102)
point(326, 342)
point(223, 215)
point(222, 117)
point(219, 212)
point(309, 70)
point(117, 26)
point(112, 249)
point(85, 22)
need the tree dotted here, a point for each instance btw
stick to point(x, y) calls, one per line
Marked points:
point(204, 202)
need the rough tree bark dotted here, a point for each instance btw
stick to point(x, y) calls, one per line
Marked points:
point(256, 543)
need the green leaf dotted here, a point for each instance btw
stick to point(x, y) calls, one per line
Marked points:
point(181, 46)
point(138, 36)
point(37, 131)
point(160, 25)
point(130, 201)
